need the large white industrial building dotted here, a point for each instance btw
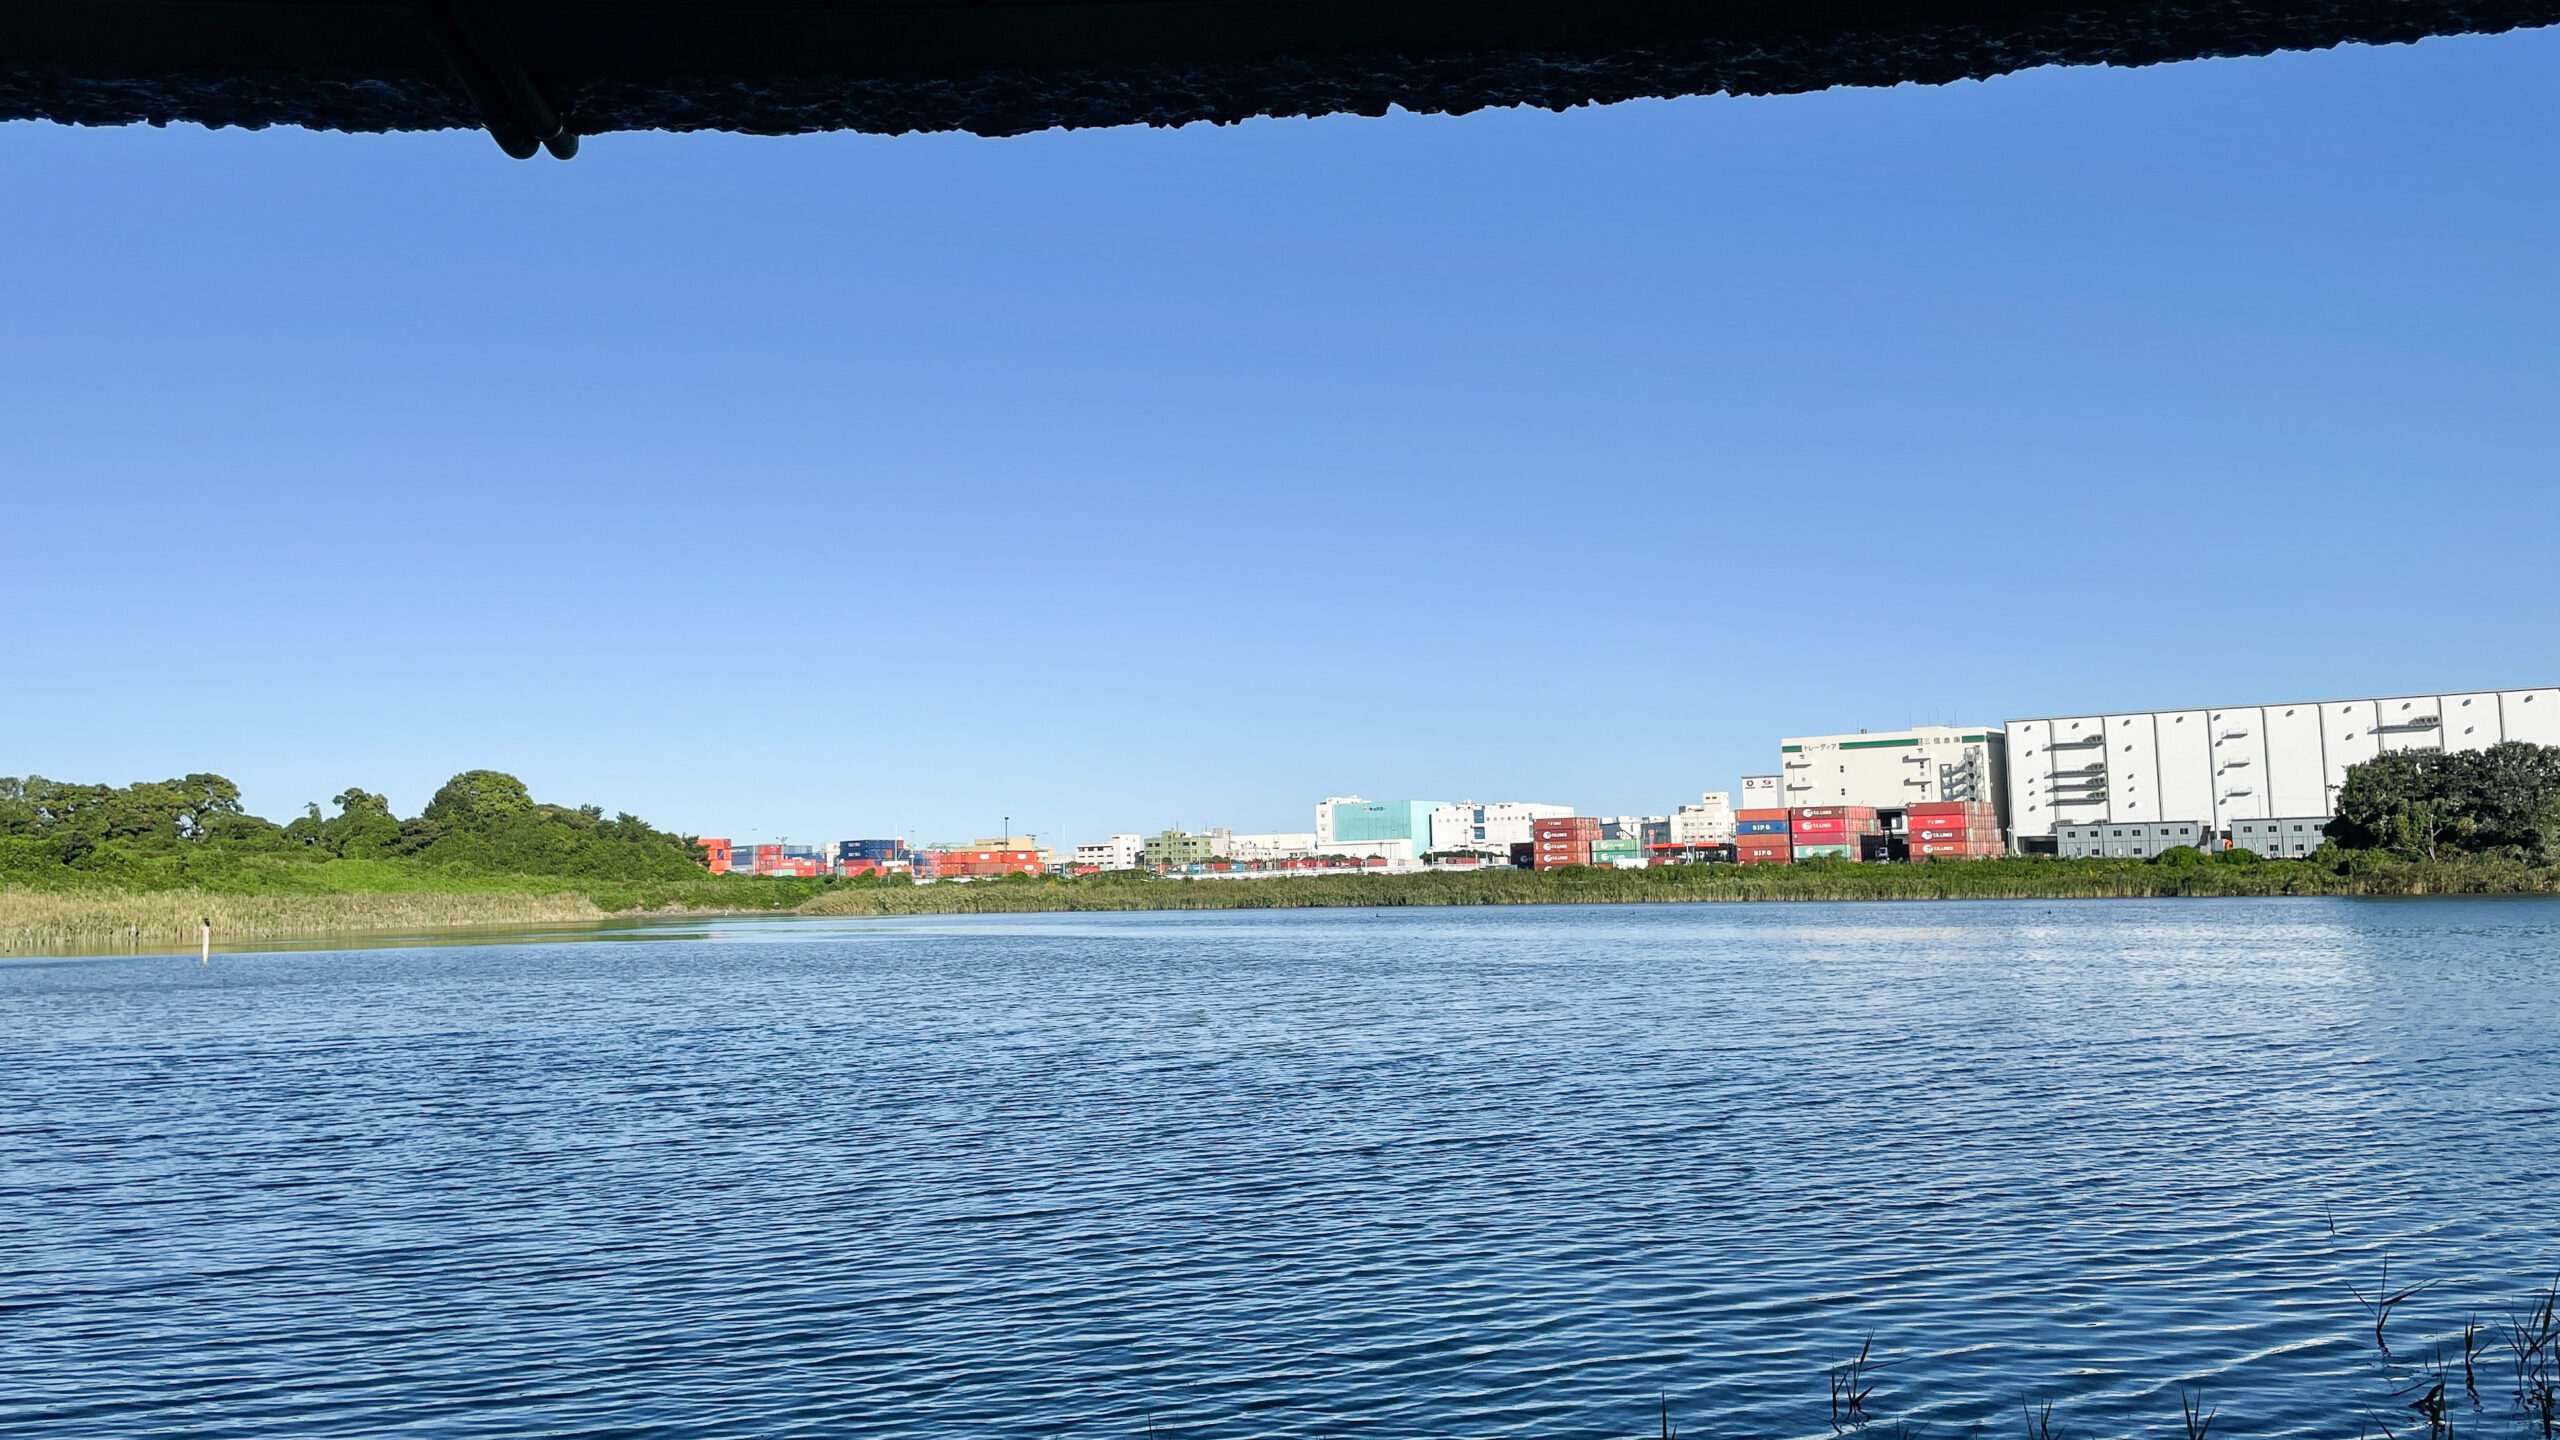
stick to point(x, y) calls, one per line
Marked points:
point(2243, 763)
point(1890, 769)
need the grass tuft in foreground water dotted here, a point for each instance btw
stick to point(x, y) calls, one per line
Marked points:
point(2429, 1388)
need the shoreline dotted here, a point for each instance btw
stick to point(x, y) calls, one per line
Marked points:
point(107, 920)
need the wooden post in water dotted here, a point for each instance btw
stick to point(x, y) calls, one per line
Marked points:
point(207, 957)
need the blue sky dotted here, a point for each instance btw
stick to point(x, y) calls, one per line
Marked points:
point(1111, 480)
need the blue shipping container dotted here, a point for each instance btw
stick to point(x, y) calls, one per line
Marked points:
point(1760, 827)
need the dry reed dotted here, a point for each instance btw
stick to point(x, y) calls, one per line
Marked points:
point(40, 921)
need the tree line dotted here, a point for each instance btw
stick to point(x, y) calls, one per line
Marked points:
point(2504, 800)
point(480, 819)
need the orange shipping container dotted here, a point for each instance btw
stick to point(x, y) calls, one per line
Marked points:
point(1759, 814)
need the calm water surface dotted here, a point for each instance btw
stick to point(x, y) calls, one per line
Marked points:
point(1494, 1172)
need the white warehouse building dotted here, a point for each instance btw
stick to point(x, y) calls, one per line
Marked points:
point(1120, 852)
point(1493, 828)
point(1709, 822)
point(1891, 769)
point(2252, 763)
point(1282, 846)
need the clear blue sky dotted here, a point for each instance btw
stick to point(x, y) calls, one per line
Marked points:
point(1119, 479)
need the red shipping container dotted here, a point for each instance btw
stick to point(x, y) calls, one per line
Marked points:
point(1759, 814)
point(1948, 807)
point(1834, 812)
point(1954, 849)
point(1765, 857)
point(1921, 831)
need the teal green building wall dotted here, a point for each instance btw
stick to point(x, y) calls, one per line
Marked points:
point(1386, 820)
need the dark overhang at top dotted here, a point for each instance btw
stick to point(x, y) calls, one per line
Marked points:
point(546, 71)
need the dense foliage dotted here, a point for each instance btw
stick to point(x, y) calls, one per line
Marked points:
point(79, 818)
point(481, 821)
point(2504, 800)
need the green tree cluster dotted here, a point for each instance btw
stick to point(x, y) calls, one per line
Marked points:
point(77, 819)
point(2504, 800)
point(481, 820)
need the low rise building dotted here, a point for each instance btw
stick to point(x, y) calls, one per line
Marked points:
point(1120, 852)
point(1173, 849)
point(2288, 837)
point(1709, 822)
point(1265, 849)
point(2127, 840)
point(1487, 829)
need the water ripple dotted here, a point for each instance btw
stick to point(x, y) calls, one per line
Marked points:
point(1503, 1172)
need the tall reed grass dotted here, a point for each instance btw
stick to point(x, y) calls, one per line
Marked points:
point(43, 921)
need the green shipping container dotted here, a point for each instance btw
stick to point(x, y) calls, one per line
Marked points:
point(1816, 852)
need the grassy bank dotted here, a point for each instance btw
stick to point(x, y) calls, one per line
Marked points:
point(264, 897)
point(2019, 879)
point(159, 900)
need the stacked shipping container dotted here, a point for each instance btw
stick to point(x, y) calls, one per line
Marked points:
point(1563, 840)
point(975, 864)
point(1624, 853)
point(1952, 830)
point(1760, 838)
point(1831, 831)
